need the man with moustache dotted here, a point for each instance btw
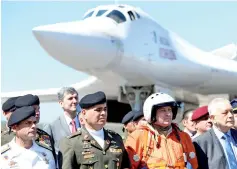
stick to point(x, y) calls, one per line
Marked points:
point(202, 121)
point(217, 148)
point(159, 143)
point(92, 146)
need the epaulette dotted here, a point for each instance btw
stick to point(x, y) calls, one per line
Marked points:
point(75, 134)
point(112, 132)
point(42, 132)
point(44, 145)
point(5, 148)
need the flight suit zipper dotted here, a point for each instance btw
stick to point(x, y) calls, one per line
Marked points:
point(168, 153)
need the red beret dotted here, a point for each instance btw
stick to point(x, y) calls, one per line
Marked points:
point(200, 112)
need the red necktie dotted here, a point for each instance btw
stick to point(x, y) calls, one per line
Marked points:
point(74, 129)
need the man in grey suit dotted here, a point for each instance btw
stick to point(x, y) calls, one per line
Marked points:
point(217, 148)
point(68, 122)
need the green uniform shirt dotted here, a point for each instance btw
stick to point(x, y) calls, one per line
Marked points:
point(82, 151)
point(6, 137)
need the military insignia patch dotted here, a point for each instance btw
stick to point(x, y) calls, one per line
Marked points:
point(86, 137)
point(92, 141)
point(114, 150)
point(46, 160)
point(192, 155)
point(89, 156)
point(136, 158)
point(12, 163)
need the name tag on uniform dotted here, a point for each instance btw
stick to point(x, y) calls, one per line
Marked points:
point(115, 150)
point(89, 156)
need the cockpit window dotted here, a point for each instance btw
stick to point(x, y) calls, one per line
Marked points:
point(89, 15)
point(138, 16)
point(131, 15)
point(117, 16)
point(101, 12)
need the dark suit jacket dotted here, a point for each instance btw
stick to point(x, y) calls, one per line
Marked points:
point(210, 153)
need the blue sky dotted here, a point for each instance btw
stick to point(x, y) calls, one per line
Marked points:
point(26, 66)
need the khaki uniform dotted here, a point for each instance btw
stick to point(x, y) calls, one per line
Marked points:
point(82, 151)
point(6, 137)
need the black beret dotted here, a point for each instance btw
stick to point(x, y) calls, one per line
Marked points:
point(27, 100)
point(234, 105)
point(91, 100)
point(137, 115)
point(21, 114)
point(9, 104)
point(128, 117)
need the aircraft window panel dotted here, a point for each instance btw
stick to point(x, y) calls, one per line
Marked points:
point(117, 16)
point(131, 15)
point(89, 15)
point(101, 12)
point(138, 16)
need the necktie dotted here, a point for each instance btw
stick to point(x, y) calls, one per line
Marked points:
point(232, 162)
point(73, 123)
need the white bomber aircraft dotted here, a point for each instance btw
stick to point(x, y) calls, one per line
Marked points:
point(129, 55)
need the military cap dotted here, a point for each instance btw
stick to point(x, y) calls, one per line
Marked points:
point(27, 100)
point(128, 117)
point(21, 114)
point(137, 115)
point(93, 99)
point(234, 105)
point(200, 112)
point(9, 104)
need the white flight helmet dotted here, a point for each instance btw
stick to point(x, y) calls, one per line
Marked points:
point(155, 101)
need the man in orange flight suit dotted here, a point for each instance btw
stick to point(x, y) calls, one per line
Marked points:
point(160, 144)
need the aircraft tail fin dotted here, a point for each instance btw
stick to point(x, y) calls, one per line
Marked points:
point(229, 51)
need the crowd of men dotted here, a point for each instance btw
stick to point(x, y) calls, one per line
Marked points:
point(78, 139)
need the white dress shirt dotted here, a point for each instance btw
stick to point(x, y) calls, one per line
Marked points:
point(18, 157)
point(98, 136)
point(219, 135)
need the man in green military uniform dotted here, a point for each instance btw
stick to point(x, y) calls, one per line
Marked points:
point(8, 107)
point(92, 146)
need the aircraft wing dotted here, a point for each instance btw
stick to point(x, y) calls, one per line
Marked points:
point(90, 85)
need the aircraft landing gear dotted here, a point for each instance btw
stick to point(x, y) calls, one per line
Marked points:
point(135, 95)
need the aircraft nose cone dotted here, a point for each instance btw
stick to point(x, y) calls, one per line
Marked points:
point(80, 45)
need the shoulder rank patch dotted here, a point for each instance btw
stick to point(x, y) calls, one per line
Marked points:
point(5, 148)
point(75, 134)
point(46, 146)
point(111, 132)
point(41, 132)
